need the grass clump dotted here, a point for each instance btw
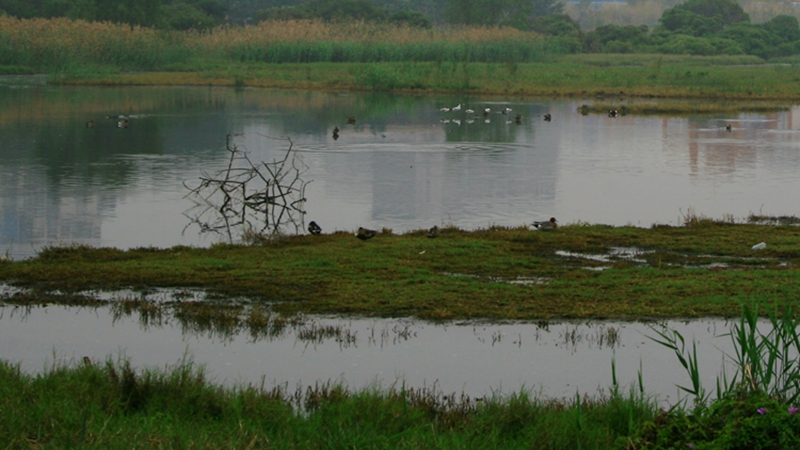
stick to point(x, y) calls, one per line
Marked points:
point(756, 408)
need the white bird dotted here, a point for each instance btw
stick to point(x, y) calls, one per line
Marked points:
point(759, 246)
point(457, 122)
point(487, 111)
point(445, 109)
point(457, 108)
point(507, 110)
point(469, 111)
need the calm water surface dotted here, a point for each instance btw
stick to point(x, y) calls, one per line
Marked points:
point(400, 166)
point(474, 358)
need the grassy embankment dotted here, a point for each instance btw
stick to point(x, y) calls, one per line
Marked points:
point(703, 269)
point(313, 55)
point(112, 406)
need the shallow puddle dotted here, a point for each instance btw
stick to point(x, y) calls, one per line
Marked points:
point(477, 358)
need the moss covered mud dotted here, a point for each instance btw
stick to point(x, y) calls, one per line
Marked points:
point(706, 268)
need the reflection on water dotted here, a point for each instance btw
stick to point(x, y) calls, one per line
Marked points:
point(404, 164)
point(477, 358)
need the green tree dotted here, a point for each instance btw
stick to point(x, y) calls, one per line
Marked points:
point(555, 25)
point(703, 17)
point(784, 27)
point(615, 39)
point(327, 10)
point(411, 18)
point(183, 16)
point(515, 13)
point(135, 12)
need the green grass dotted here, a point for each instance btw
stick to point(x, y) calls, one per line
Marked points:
point(112, 405)
point(703, 269)
point(557, 78)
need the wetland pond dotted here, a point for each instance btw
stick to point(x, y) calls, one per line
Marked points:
point(404, 164)
point(476, 358)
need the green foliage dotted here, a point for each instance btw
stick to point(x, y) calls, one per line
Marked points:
point(411, 18)
point(783, 27)
point(327, 10)
point(515, 13)
point(183, 16)
point(682, 44)
point(615, 39)
point(556, 25)
point(753, 39)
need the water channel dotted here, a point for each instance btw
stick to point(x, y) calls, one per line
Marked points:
point(404, 165)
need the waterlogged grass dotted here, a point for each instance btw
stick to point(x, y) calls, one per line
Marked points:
point(112, 405)
point(703, 269)
point(551, 79)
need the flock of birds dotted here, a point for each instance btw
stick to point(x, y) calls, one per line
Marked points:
point(505, 111)
point(365, 234)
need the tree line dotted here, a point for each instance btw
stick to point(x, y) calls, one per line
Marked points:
point(164, 14)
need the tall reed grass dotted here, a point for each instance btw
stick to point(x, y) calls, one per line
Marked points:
point(63, 44)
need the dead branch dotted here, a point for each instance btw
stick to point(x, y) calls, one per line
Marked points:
point(247, 198)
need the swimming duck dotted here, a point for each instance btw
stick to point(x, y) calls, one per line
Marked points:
point(518, 119)
point(547, 117)
point(456, 108)
point(365, 234)
point(433, 232)
point(728, 127)
point(546, 226)
point(445, 109)
point(351, 120)
point(487, 111)
point(123, 123)
point(90, 124)
point(313, 228)
point(469, 111)
point(506, 110)
point(612, 113)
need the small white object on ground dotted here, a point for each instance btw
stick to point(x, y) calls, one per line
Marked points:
point(759, 246)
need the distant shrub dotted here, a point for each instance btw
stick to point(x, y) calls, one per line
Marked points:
point(682, 44)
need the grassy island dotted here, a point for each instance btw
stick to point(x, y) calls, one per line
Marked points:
point(705, 268)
